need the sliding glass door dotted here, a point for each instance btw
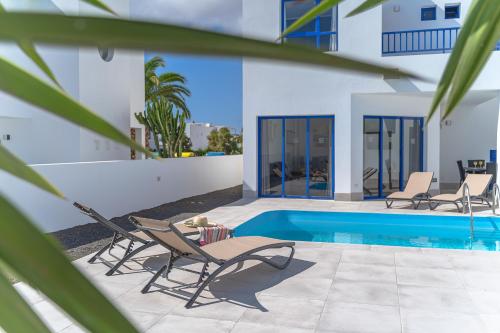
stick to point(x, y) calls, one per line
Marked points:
point(392, 150)
point(296, 156)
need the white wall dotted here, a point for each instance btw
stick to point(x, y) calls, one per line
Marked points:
point(274, 88)
point(409, 15)
point(114, 90)
point(116, 188)
point(471, 133)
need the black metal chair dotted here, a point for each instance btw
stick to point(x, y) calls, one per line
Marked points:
point(491, 169)
point(461, 171)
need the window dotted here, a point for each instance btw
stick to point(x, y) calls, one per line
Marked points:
point(320, 33)
point(428, 14)
point(452, 11)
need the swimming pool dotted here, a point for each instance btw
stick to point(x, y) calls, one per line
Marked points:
point(451, 232)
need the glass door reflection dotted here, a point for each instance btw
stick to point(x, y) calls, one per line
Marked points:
point(320, 157)
point(371, 156)
point(295, 157)
point(390, 155)
point(412, 152)
point(271, 140)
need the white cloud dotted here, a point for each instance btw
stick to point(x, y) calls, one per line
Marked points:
point(218, 15)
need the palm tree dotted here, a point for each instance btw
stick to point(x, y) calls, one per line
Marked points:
point(169, 85)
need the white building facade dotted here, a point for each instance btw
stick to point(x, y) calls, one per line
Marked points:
point(320, 133)
point(111, 85)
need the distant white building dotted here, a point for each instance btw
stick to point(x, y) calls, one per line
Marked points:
point(199, 132)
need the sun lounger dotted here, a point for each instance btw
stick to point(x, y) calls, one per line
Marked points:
point(120, 234)
point(478, 186)
point(416, 190)
point(223, 254)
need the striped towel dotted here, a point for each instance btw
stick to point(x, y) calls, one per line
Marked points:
point(212, 234)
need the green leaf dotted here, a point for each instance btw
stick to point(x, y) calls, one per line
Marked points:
point(478, 49)
point(23, 85)
point(30, 51)
point(454, 62)
point(310, 15)
point(368, 4)
point(37, 259)
point(99, 4)
point(15, 314)
point(119, 33)
point(13, 165)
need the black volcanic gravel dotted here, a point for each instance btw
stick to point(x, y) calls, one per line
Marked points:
point(82, 240)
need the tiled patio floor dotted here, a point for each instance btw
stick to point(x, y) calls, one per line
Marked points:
point(327, 288)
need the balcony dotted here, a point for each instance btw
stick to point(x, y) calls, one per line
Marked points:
point(425, 41)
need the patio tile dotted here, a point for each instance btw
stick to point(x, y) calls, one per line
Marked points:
point(342, 317)
point(29, 294)
point(477, 263)
point(364, 292)
point(430, 277)
point(304, 288)
point(420, 321)
point(491, 322)
point(366, 273)
point(55, 319)
point(226, 307)
point(285, 312)
point(244, 327)
point(421, 260)
point(367, 257)
point(153, 302)
point(394, 249)
point(485, 302)
point(171, 323)
point(143, 320)
point(73, 329)
point(429, 298)
point(481, 280)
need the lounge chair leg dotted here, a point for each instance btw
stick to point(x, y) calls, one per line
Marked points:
point(458, 208)
point(128, 255)
point(207, 281)
point(98, 254)
point(156, 276)
point(202, 274)
point(417, 205)
point(389, 204)
point(114, 241)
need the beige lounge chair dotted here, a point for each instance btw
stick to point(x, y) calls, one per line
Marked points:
point(417, 189)
point(478, 186)
point(223, 253)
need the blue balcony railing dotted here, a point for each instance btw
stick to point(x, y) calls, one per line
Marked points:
point(421, 41)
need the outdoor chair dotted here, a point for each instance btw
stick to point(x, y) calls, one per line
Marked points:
point(223, 253)
point(417, 189)
point(119, 234)
point(461, 171)
point(367, 173)
point(478, 186)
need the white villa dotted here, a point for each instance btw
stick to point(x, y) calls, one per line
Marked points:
point(341, 264)
point(312, 132)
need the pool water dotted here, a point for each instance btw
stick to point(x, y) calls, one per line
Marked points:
point(449, 232)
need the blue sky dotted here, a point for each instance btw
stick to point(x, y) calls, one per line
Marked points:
point(215, 83)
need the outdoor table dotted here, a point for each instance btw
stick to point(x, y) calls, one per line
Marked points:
point(474, 170)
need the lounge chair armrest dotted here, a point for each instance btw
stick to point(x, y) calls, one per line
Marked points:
point(141, 227)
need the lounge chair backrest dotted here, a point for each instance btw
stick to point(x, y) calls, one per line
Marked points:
point(419, 182)
point(105, 222)
point(478, 184)
point(163, 233)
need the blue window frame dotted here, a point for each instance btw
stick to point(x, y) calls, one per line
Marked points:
point(428, 14)
point(311, 185)
point(379, 193)
point(320, 33)
point(451, 12)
